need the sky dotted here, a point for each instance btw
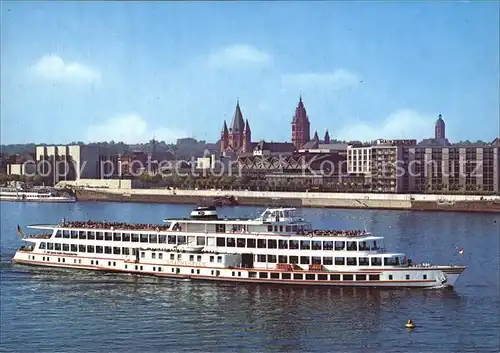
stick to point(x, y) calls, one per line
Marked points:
point(131, 71)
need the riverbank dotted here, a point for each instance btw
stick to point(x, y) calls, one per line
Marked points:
point(462, 203)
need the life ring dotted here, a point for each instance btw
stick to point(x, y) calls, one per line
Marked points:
point(310, 234)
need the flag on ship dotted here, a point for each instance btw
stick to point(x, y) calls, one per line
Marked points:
point(460, 251)
point(19, 231)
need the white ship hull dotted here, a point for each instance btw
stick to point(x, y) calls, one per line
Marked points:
point(37, 199)
point(437, 277)
point(281, 249)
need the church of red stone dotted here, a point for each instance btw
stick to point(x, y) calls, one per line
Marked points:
point(238, 138)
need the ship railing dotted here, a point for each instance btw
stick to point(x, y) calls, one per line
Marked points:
point(39, 236)
point(334, 233)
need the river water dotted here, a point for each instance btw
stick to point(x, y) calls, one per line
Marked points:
point(57, 310)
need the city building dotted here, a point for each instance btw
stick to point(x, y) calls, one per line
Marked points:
point(20, 164)
point(301, 127)
point(75, 162)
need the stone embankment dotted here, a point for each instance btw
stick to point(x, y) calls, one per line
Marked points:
point(465, 203)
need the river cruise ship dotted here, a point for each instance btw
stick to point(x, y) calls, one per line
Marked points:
point(35, 195)
point(276, 247)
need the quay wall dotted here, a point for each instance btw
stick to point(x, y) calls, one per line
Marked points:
point(464, 203)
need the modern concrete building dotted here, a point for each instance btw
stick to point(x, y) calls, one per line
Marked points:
point(74, 162)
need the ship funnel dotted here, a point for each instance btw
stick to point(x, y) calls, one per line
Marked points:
point(209, 212)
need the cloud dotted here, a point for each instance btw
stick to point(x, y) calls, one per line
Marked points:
point(239, 54)
point(404, 123)
point(131, 128)
point(337, 79)
point(53, 67)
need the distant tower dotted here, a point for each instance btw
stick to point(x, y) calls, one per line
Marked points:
point(316, 137)
point(247, 138)
point(439, 128)
point(224, 138)
point(300, 126)
point(327, 138)
point(236, 129)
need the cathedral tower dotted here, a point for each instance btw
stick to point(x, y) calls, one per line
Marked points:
point(439, 128)
point(300, 126)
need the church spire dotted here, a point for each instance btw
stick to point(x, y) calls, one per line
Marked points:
point(327, 137)
point(237, 124)
point(316, 137)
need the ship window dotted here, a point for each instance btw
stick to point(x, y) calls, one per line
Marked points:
point(58, 234)
point(294, 228)
point(352, 261)
point(294, 259)
point(360, 277)
point(191, 257)
point(221, 241)
point(327, 260)
point(294, 244)
point(212, 258)
point(220, 228)
point(390, 277)
point(98, 235)
point(116, 250)
point(172, 256)
point(50, 246)
point(298, 276)
point(108, 236)
point(90, 248)
point(250, 243)
point(310, 277)
point(316, 260)
point(117, 237)
point(261, 243)
point(283, 244)
point(198, 258)
point(135, 238)
point(282, 259)
point(262, 274)
point(140, 268)
point(288, 229)
point(286, 276)
point(125, 251)
point(391, 261)
point(58, 246)
point(154, 268)
point(261, 258)
point(63, 260)
point(201, 241)
point(58, 259)
point(339, 245)
point(328, 245)
point(252, 274)
point(269, 228)
point(305, 245)
point(107, 249)
point(276, 229)
point(376, 261)
point(42, 245)
point(363, 246)
point(304, 260)
point(109, 263)
point(126, 237)
point(92, 262)
point(65, 247)
point(153, 238)
point(219, 259)
point(82, 235)
point(136, 267)
point(271, 259)
point(348, 277)
point(153, 255)
point(159, 269)
point(425, 276)
point(240, 242)
point(316, 245)
point(339, 261)
point(364, 261)
point(144, 238)
point(75, 234)
point(407, 277)
point(162, 239)
point(97, 262)
point(275, 275)
point(272, 244)
point(281, 229)
point(81, 248)
point(143, 254)
point(322, 277)
point(352, 246)
point(74, 248)
point(66, 234)
point(374, 277)
point(230, 242)
point(98, 249)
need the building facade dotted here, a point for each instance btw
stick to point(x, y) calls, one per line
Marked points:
point(74, 162)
